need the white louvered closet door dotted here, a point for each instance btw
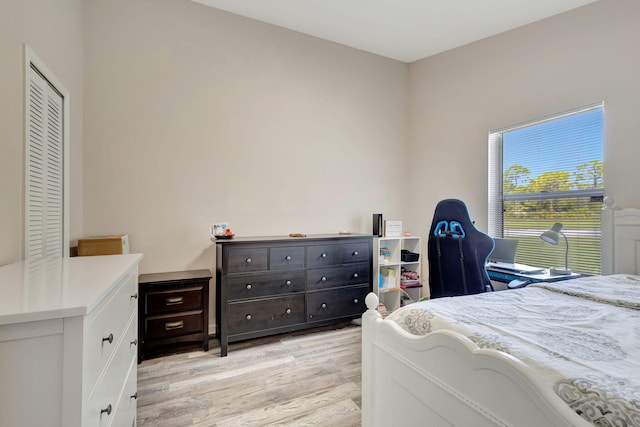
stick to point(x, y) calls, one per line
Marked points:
point(44, 169)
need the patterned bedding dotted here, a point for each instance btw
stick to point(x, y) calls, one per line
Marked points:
point(582, 336)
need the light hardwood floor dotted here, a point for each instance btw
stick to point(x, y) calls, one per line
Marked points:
point(309, 378)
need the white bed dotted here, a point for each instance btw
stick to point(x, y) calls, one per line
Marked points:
point(443, 378)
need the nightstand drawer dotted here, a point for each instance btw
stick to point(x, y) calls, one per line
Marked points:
point(265, 314)
point(171, 326)
point(336, 303)
point(265, 284)
point(323, 256)
point(324, 278)
point(171, 301)
point(245, 260)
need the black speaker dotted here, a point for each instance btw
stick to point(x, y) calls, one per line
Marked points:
point(377, 225)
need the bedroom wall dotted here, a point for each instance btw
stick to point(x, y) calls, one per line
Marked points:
point(53, 31)
point(580, 57)
point(195, 116)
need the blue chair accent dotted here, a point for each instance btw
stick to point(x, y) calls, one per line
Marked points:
point(457, 252)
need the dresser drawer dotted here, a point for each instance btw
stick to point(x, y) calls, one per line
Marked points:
point(324, 278)
point(108, 389)
point(355, 252)
point(324, 305)
point(286, 258)
point(167, 326)
point(105, 326)
point(173, 300)
point(268, 313)
point(265, 284)
point(125, 414)
point(243, 260)
point(323, 255)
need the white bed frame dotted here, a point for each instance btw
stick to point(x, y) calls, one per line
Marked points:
point(443, 379)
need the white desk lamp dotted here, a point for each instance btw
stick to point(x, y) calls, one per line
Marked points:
point(553, 236)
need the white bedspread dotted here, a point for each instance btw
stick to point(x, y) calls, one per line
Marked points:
point(582, 336)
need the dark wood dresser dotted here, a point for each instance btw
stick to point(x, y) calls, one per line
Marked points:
point(271, 285)
point(173, 312)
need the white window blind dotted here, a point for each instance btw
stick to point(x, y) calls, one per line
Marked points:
point(44, 155)
point(550, 171)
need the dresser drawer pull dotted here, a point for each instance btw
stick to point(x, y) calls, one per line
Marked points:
point(134, 296)
point(323, 305)
point(288, 283)
point(288, 257)
point(323, 279)
point(106, 410)
point(355, 253)
point(134, 342)
point(355, 300)
point(288, 311)
point(109, 338)
point(134, 396)
point(323, 255)
point(355, 275)
point(248, 317)
point(248, 260)
point(169, 326)
point(174, 300)
point(249, 286)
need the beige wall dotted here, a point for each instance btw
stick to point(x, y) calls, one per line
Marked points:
point(571, 60)
point(53, 31)
point(195, 116)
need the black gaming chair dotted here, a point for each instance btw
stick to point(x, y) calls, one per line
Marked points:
point(457, 252)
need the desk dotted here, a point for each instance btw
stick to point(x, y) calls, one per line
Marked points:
point(506, 277)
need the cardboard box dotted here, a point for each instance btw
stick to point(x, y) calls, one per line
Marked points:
point(104, 245)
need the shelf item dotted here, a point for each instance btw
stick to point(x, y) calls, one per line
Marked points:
point(271, 285)
point(174, 312)
point(397, 270)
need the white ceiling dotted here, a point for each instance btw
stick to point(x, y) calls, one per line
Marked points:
point(406, 30)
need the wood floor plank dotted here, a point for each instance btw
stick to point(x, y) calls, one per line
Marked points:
point(306, 378)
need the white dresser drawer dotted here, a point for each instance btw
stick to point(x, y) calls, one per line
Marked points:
point(105, 327)
point(108, 390)
point(126, 409)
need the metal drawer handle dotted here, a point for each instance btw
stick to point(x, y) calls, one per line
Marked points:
point(107, 410)
point(248, 317)
point(355, 253)
point(323, 279)
point(248, 259)
point(288, 282)
point(355, 300)
point(355, 275)
point(288, 311)
point(174, 300)
point(323, 305)
point(134, 396)
point(323, 255)
point(249, 286)
point(109, 338)
point(134, 342)
point(287, 257)
point(134, 296)
point(169, 326)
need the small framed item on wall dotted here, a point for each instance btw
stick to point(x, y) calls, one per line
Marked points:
point(392, 228)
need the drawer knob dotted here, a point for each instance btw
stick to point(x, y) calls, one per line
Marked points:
point(134, 396)
point(355, 300)
point(288, 283)
point(323, 279)
point(249, 286)
point(248, 260)
point(106, 410)
point(174, 300)
point(134, 296)
point(134, 342)
point(355, 253)
point(323, 255)
point(248, 317)
point(288, 257)
point(109, 338)
point(323, 305)
point(288, 311)
point(355, 275)
point(170, 326)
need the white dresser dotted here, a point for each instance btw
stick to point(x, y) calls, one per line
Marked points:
point(68, 342)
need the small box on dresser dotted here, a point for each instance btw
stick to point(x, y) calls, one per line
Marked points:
point(271, 285)
point(174, 312)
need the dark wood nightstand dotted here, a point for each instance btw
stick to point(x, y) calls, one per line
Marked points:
point(173, 311)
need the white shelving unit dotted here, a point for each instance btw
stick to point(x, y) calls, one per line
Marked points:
point(388, 266)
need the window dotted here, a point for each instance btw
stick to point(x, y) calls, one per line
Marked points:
point(545, 172)
point(46, 141)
